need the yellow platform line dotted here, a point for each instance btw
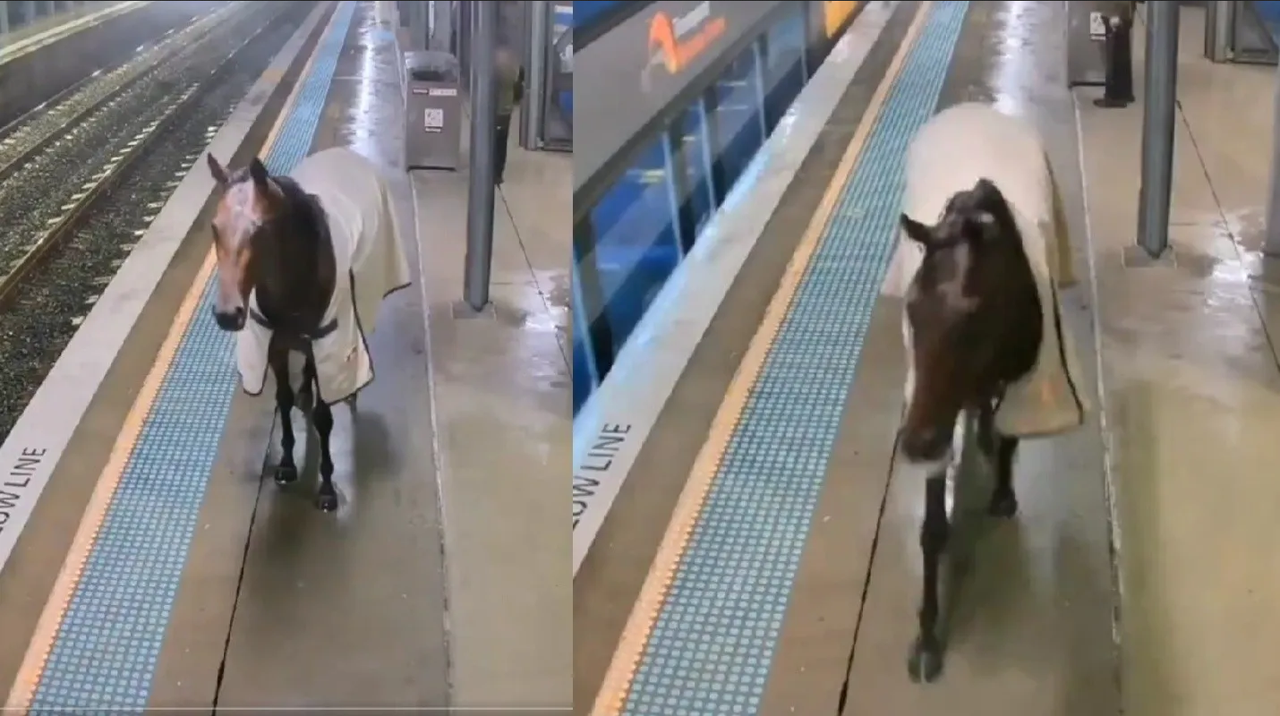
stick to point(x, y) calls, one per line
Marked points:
point(616, 686)
point(55, 609)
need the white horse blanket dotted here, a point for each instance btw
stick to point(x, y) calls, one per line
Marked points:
point(370, 264)
point(955, 149)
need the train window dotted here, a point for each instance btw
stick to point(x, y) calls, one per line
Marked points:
point(584, 378)
point(737, 113)
point(783, 72)
point(633, 238)
point(557, 117)
point(691, 152)
point(586, 375)
point(592, 339)
point(635, 247)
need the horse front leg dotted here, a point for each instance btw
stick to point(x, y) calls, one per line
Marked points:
point(1004, 501)
point(925, 661)
point(286, 472)
point(322, 418)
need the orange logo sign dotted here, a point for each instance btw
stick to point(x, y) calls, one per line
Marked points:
point(675, 42)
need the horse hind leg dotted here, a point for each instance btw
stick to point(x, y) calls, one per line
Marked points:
point(986, 436)
point(1000, 451)
point(307, 391)
point(1004, 501)
point(327, 496)
point(286, 471)
point(925, 660)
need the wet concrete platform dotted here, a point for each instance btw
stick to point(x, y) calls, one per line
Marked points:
point(1031, 627)
point(502, 395)
point(1193, 392)
point(88, 407)
point(448, 473)
point(284, 606)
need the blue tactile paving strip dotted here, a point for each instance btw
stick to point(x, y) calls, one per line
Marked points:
point(712, 645)
point(106, 648)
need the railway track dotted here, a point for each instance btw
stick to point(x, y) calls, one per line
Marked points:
point(53, 275)
point(30, 133)
point(64, 176)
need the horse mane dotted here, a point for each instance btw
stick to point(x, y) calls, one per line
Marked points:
point(984, 220)
point(992, 200)
point(1021, 297)
point(306, 216)
point(300, 219)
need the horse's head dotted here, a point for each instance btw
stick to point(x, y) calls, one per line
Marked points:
point(973, 293)
point(247, 200)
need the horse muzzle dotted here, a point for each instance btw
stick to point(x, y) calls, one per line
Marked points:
point(232, 320)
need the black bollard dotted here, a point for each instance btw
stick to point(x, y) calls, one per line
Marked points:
point(1118, 46)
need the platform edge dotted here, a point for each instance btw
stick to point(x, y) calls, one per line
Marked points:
point(47, 426)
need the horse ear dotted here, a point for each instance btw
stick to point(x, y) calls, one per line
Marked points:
point(915, 231)
point(259, 174)
point(216, 169)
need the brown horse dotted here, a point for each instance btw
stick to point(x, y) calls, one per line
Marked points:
point(982, 326)
point(273, 243)
point(974, 314)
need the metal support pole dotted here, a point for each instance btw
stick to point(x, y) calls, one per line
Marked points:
point(1219, 18)
point(1160, 84)
point(535, 61)
point(475, 287)
point(470, 49)
point(418, 24)
point(4, 19)
point(1271, 243)
point(441, 25)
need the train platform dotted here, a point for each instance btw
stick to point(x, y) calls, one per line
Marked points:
point(741, 542)
point(503, 410)
point(145, 560)
point(50, 27)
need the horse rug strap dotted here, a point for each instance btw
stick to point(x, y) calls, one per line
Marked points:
point(955, 149)
point(370, 264)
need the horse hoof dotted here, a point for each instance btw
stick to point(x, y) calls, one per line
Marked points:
point(286, 474)
point(1003, 505)
point(326, 503)
point(924, 663)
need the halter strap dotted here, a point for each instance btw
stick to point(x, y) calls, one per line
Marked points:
point(321, 332)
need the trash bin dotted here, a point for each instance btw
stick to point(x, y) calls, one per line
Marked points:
point(433, 111)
